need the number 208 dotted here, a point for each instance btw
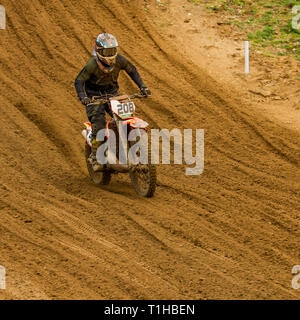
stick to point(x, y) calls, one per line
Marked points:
point(126, 108)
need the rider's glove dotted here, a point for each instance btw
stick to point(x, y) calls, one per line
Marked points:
point(145, 91)
point(85, 100)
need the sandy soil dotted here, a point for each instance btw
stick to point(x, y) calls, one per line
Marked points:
point(232, 232)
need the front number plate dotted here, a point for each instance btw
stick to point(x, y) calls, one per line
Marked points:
point(123, 109)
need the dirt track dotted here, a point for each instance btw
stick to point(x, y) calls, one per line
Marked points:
point(232, 232)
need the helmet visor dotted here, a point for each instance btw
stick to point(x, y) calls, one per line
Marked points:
point(107, 52)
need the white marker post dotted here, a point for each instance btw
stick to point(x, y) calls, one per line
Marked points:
point(246, 57)
point(296, 19)
point(2, 17)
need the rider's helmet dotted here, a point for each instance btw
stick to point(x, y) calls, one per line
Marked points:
point(106, 51)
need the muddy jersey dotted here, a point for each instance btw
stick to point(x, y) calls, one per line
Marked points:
point(91, 80)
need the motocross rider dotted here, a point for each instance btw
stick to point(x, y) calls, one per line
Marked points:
point(100, 77)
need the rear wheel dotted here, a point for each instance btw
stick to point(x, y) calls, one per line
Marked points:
point(99, 177)
point(143, 176)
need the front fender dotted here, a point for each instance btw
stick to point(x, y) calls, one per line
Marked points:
point(137, 123)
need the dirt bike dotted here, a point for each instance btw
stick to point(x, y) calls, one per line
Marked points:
point(122, 122)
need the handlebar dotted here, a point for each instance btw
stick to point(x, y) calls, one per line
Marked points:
point(137, 95)
point(96, 100)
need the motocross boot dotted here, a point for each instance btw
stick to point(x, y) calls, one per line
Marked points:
point(92, 158)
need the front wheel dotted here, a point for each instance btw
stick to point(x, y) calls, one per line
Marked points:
point(144, 180)
point(99, 177)
point(143, 176)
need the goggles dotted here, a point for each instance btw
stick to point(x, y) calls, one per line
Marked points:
point(107, 52)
